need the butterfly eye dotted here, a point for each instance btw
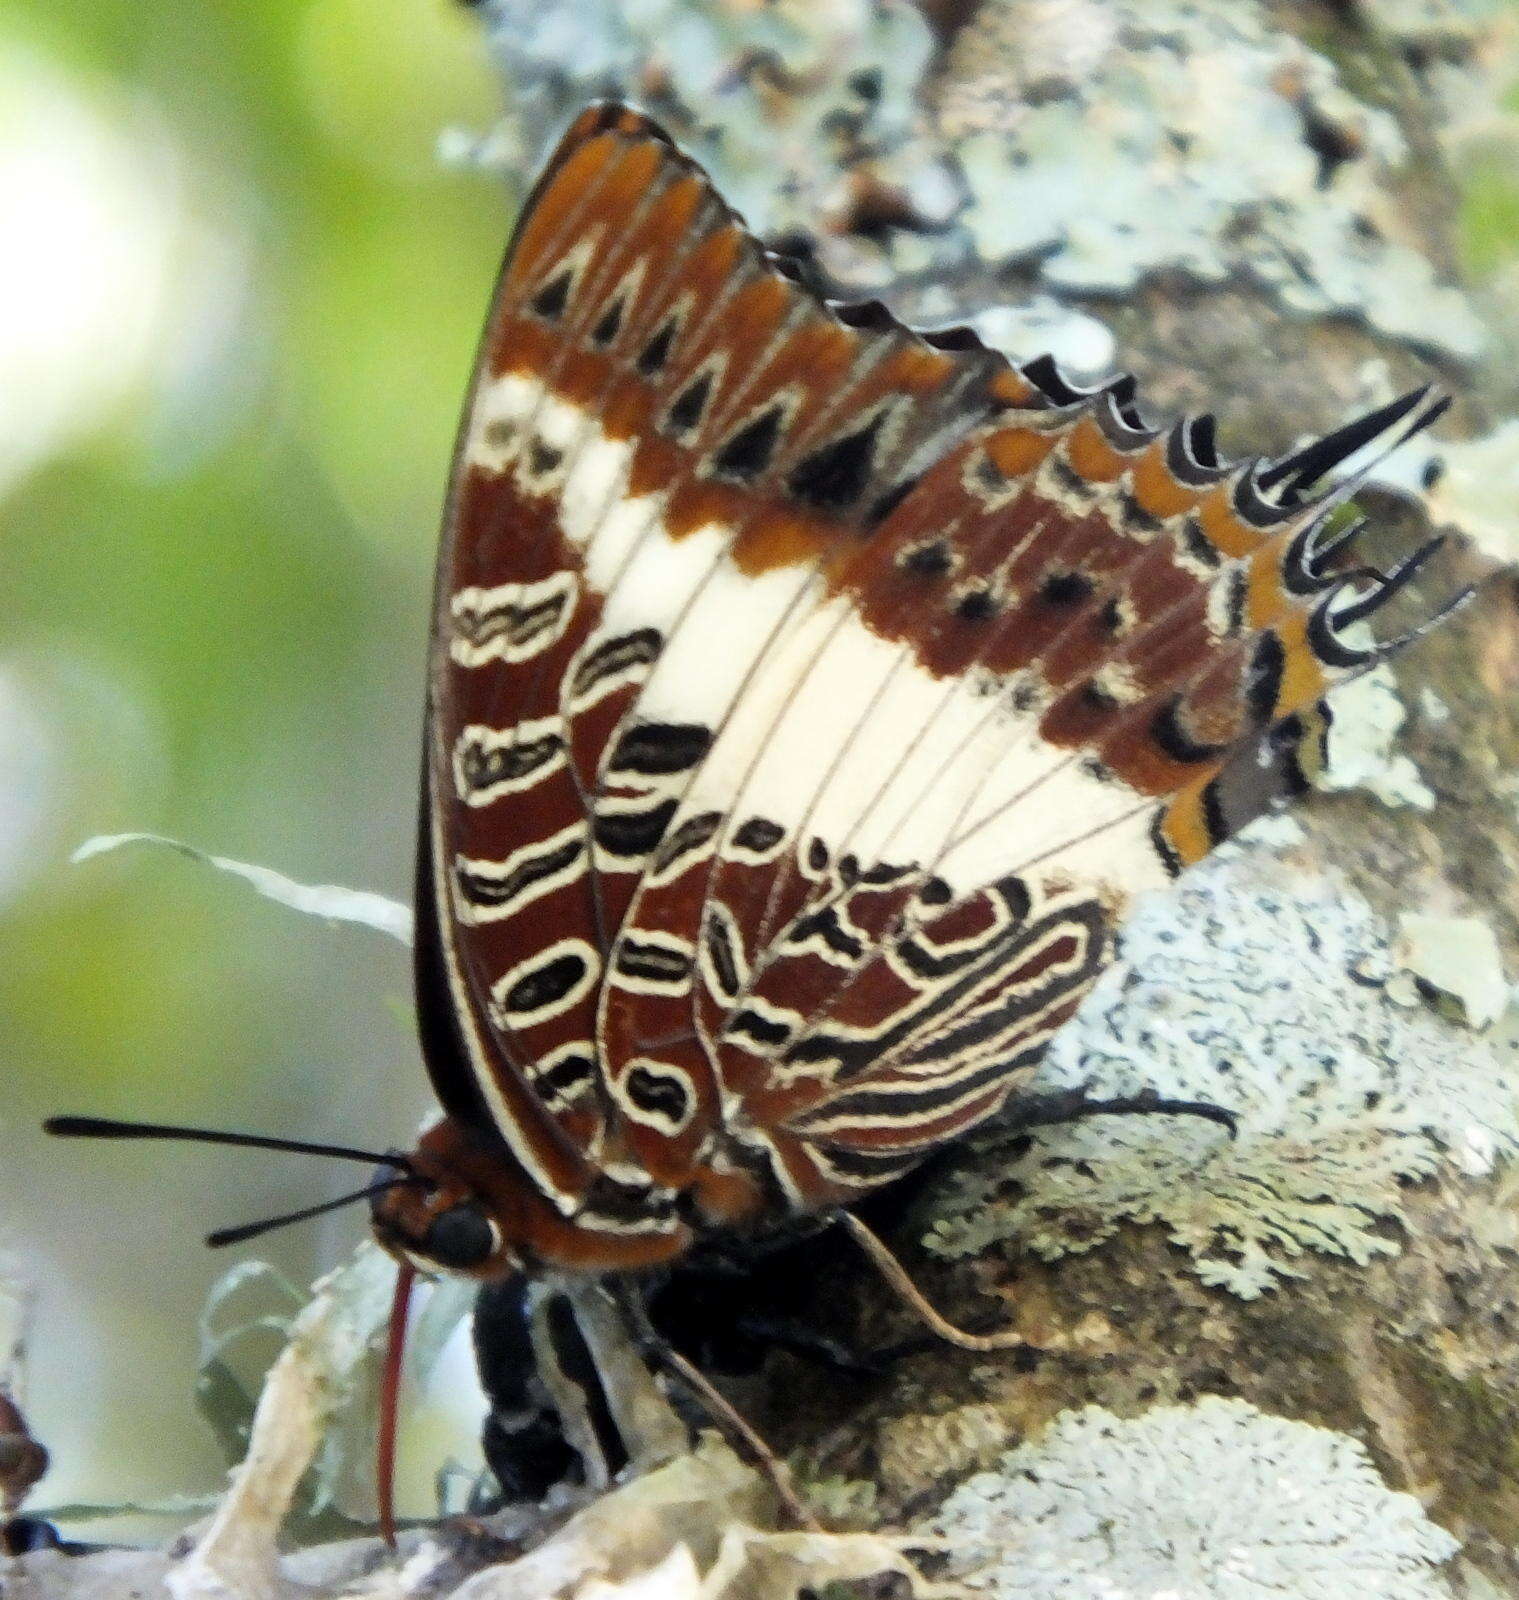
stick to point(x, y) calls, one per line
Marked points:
point(461, 1237)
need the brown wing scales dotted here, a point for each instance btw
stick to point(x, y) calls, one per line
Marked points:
point(810, 694)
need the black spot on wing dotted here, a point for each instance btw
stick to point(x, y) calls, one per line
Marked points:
point(553, 297)
point(652, 358)
point(542, 457)
point(932, 560)
point(656, 749)
point(723, 959)
point(686, 409)
point(834, 477)
point(663, 1095)
point(620, 654)
point(1065, 588)
point(829, 931)
point(494, 889)
point(633, 834)
point(749, 451)
point(550, 981)
point(977, 605)
point(481, 766)
point(758, 836)
point(644, 960)
point(762, 1030)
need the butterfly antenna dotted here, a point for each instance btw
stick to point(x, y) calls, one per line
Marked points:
point(251, 1230)
point(109, 1128)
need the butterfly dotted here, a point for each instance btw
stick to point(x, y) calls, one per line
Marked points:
point(808, 698)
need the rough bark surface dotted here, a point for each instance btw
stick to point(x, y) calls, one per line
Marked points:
point(1305, 1344)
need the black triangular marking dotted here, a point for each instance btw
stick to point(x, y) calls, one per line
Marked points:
point(833, 478)
point(749, 451)
point(605, 330)
point(553, 297)
point(656, 352)
point(685, 412)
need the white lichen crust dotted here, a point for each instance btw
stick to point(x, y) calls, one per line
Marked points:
point(1259, 988)
point(1364, 748)
point(1211, 1501)
point(1094, 144)
point(776, 99)
point(1251, 156)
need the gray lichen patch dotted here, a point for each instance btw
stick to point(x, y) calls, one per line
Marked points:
point(1478, 489)
point(1455, 962)
point(1256, 988)
point(1110, 142)
point(1211, 1499)
point(1363, 748)
point(1093, 143)
point(806, 114)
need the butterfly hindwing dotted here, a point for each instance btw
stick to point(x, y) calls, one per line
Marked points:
point(810, 695)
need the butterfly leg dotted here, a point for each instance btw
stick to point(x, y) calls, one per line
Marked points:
point(719, 1411)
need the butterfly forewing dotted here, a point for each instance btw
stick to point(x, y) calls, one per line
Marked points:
point(809, 695)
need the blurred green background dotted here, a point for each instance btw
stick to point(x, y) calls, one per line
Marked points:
point(239, 294)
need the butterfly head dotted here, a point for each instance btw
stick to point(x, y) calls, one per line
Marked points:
point(439, 1216)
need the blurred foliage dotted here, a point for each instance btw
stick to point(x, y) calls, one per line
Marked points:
point(243, 299)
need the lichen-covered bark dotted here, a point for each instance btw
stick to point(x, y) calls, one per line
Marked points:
point(1250, 205)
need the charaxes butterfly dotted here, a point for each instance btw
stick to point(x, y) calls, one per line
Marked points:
point(808, 698)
